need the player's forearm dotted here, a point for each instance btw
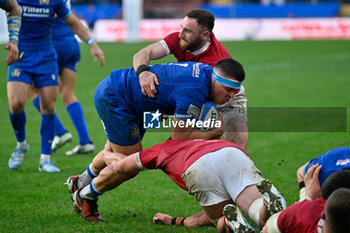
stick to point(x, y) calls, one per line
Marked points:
point(13, 20)
point(152, 52)
point(78, 28)
point(142, 57)
point(300, 173)
point(199, 219)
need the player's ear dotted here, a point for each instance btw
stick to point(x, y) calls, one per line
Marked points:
point(323, 216)
point(206, 34)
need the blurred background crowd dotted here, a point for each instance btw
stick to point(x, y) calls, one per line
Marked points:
point(92, 10)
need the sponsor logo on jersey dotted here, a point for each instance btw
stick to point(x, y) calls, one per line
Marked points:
point(343, 162)
point(195, 70)
point(37, 12)
point(53, 76)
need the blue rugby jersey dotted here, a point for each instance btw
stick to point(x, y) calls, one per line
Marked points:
point(180, 85)
point(60, 28)
point(333, 161)
point(37, 20)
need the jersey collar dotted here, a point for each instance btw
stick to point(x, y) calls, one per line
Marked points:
point(319, 226)
point(201, 50)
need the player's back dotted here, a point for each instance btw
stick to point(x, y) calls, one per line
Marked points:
point(334, 160)
point(37, 20)
point(180, 84)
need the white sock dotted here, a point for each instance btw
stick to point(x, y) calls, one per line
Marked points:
point(86, 177)
point(254, 210)
point(90, 192)
point(44, 157)
point(22, 144)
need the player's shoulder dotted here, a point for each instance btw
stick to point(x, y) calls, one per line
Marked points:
point(173, 35)
point(172, 39)
point(217, 45)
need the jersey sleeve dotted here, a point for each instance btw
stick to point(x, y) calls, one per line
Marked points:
point(171, 41)
point(62, 10)
point(147, 158)
point(287, 216)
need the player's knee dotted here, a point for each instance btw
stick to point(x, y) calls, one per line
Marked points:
point(48, 108)
point(68, 97)
point(16, 106)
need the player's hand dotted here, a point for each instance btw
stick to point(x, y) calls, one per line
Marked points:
point(147, 83)
point(13, 52)
point(108, 147)
point(162, 218)
point(219, 131)
point(312, 182)
point(96, 53)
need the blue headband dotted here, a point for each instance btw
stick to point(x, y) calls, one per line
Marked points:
point(225, 81)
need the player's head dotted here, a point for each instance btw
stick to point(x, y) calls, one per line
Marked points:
point(339, 179)
point(337, 211)
point(196, 29)
point(228, 74)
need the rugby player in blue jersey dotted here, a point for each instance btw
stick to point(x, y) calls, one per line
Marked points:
point(37, 64)
point(14, 24)
point(121, 105)
point(63, 37)
point(323, 166)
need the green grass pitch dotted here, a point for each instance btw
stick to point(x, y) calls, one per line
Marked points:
point(278, 74)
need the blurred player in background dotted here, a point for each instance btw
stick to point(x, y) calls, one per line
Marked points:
point(183, 88)
point(218, 173)
point(329, 214)
point(334, 160)
point(14, 24)
point(196, 42)
point(68, 59)
point(38, 65)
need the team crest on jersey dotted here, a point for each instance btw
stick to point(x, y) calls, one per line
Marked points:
point(15, 73)
point(135, 132)
point(46, 2)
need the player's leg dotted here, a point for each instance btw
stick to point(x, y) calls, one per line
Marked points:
point(85, 198)
point(17, 95)
point(240, 178)
point(67, 85)
point(47, 95)
point(236, 120)
point(62, 136)
point(122, 131)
